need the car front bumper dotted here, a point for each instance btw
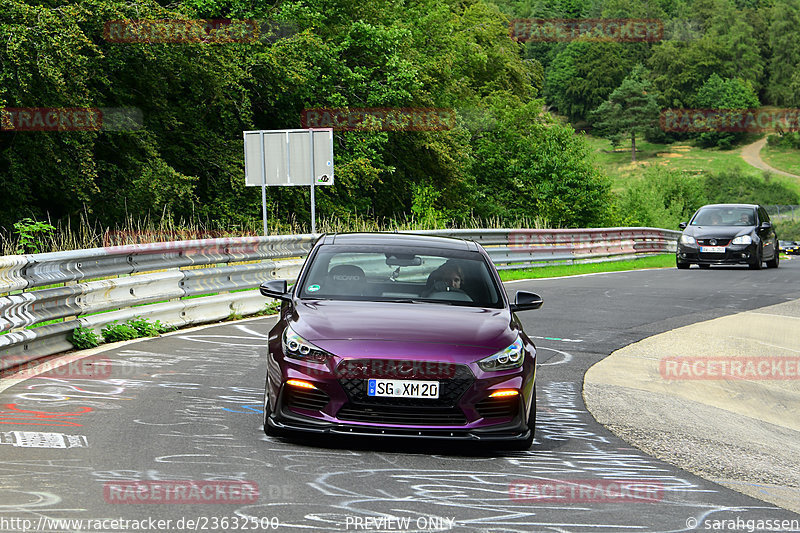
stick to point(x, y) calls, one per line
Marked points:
point(734, 254)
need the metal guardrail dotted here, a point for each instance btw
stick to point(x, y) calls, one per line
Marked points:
point(175, 282)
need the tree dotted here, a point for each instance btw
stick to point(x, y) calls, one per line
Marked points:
point(632, 108)
point(729, 94)
point(785, 47)
point(584, 73)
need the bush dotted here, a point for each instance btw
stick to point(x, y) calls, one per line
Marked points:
point(84, 338)
point(115, 332)
point(143, 327)
point(661, 199)
point(731, 187)
point(788, 230)
point(786, 140)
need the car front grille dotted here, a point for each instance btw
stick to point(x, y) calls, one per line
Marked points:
point(389, 414)
point(311, 399)
point(718, 242)
point(498, 407)
point(450, 390)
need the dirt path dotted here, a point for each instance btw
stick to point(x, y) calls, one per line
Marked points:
point(752, 156)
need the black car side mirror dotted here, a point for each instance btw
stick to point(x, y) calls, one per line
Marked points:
point(275, 288)
point(765, 225)
point(524, 301)
point(682, 225)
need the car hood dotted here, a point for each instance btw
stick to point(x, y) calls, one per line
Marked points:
point(724, 232)
point(389, 327)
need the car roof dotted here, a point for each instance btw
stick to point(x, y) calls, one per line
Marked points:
point(754, 206)
point(400, 239)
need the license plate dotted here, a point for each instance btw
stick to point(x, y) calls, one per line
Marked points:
point(403, 388)
point(712, 249)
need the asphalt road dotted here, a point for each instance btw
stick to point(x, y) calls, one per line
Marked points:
point(187, 408)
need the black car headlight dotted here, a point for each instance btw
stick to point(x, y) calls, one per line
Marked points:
point(742, 239)
point(297, 347)
point(510, 357)
point(688, 240)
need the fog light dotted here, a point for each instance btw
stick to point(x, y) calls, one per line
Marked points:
point(504, 393)
point(300, 384)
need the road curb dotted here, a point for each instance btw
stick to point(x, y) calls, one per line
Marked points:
point(741, 433)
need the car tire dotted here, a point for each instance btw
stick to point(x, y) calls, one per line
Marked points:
point(756, 265)
point(775, 260)
point(681, 265)
point(704, 266)
point(523, 445)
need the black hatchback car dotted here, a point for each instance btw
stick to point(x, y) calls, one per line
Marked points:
point(728, 234)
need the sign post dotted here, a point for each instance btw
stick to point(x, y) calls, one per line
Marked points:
point(286, 158)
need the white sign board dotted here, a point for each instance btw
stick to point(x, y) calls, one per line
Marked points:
point(288, 157)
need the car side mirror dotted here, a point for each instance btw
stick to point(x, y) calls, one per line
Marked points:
point(275, 288)
point(525, 301)
point(682, 225)
point(766, 225)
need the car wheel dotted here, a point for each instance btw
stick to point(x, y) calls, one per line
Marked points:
point(681, 265)
point(756, 265)
point(705, 266)
point(523, 445)
point(775, 260)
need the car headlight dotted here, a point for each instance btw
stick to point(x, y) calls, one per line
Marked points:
point(742, 239)
point(687, 239)
point(297, 347)
point(511, 357)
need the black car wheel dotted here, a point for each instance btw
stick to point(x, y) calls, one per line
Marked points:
point(775, 260)
point(681, 265)
point(756, 265)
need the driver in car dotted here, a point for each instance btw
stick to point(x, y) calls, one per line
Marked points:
point(448, 277)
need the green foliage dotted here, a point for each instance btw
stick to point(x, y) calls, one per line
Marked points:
point(423, 206)
point(530, 166)
point(789, 140)
point(29, 233)
point(728, 187)
point(584, 73)
point(84, 338)
point(784, 78)
point(631, 109)
point(661, 199)
point(717, 93)
point(115, 332)
point(787, 230)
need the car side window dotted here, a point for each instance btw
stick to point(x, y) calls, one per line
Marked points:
point(763, 215)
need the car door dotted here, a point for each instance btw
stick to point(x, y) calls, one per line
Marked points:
point(767, 235)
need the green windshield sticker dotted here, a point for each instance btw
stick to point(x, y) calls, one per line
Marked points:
point(313, 288)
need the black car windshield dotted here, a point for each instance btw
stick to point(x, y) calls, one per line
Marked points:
point(725, 216)
point(401, 274)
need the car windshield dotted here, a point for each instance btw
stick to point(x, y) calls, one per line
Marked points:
point(725, 216)
point(400, 274)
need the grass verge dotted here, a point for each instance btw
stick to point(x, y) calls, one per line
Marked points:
point(651, 261)
point(782, 158)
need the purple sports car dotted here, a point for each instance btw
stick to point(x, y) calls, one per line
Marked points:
point(400, 335)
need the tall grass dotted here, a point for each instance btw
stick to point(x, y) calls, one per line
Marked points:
point(86, 234)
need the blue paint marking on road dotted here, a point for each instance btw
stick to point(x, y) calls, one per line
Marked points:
point(255, 408)
point(555, 339)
